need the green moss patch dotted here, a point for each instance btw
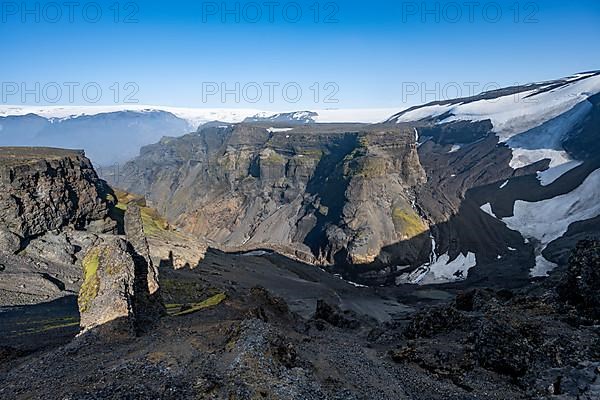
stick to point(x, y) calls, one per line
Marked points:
point(365, 167)
point(154, 224)
point(179, 310)
point(408, 223)
point(91, 282)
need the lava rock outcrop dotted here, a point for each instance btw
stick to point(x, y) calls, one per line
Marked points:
point(44, 189)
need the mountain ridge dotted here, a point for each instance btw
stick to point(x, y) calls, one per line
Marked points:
point(467, 164)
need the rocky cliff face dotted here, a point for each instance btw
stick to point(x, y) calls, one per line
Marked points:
point(321, 193)
point(52, 205)
point(494, 188)
point(44, 189)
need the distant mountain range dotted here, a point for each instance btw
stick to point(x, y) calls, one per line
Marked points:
point(296, 118)
point(115, 134)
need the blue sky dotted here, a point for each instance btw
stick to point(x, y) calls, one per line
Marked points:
point(181, 53)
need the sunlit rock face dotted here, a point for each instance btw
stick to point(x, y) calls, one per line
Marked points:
point(320, 193)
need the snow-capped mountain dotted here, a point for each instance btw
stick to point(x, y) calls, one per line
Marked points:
point(293, 118)
point(193, 116)
point(532, 120)
point(513, 177)
point(199, 116)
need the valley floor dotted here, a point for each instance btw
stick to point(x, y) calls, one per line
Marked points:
point(227, 338)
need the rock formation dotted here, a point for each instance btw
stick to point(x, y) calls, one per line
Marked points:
point(52, 205)
point(436, 194)
point(147, 303)
point(322, 194)
point(121, 288)
point(108, 291)
point(44, 189)
point(134, 230)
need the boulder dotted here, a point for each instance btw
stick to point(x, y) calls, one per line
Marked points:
point(334, 316)
point(502, 348)
point(121, 291)
point(148, 304)
point(107, 293)
point(134, 230)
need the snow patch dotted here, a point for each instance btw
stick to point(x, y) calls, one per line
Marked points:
point(439, 269)
point(276, 130)
point(425, 112)
point(542, 267)
point(442, 270)
point(523, 157)
point(504, 185)
point(548, 220)
point(454, 148)
point(550, 175)
point(532, 123)
point(487, 208)
point(356, 284)
point(518, 113)
point(256, 253)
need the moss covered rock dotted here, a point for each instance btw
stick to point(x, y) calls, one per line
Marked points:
point(107, 293)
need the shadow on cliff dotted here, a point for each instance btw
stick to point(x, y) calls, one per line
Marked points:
point(504, 258)
point(148, 307)
point(329, 185)
point(470, 230)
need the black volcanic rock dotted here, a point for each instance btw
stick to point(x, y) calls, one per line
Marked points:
point(47, 189)
point(333, 315)
point(52, 205)
point(580, 287)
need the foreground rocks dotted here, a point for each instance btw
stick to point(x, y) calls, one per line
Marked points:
point(52, 206)
point(120, 291)
point(485, 344)
point(539, 339)
point(579, 288)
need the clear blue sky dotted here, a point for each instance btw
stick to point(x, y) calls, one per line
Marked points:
point(370, 49)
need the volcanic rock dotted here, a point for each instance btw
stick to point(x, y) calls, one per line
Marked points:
point(43, 189)
point(108, 291)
